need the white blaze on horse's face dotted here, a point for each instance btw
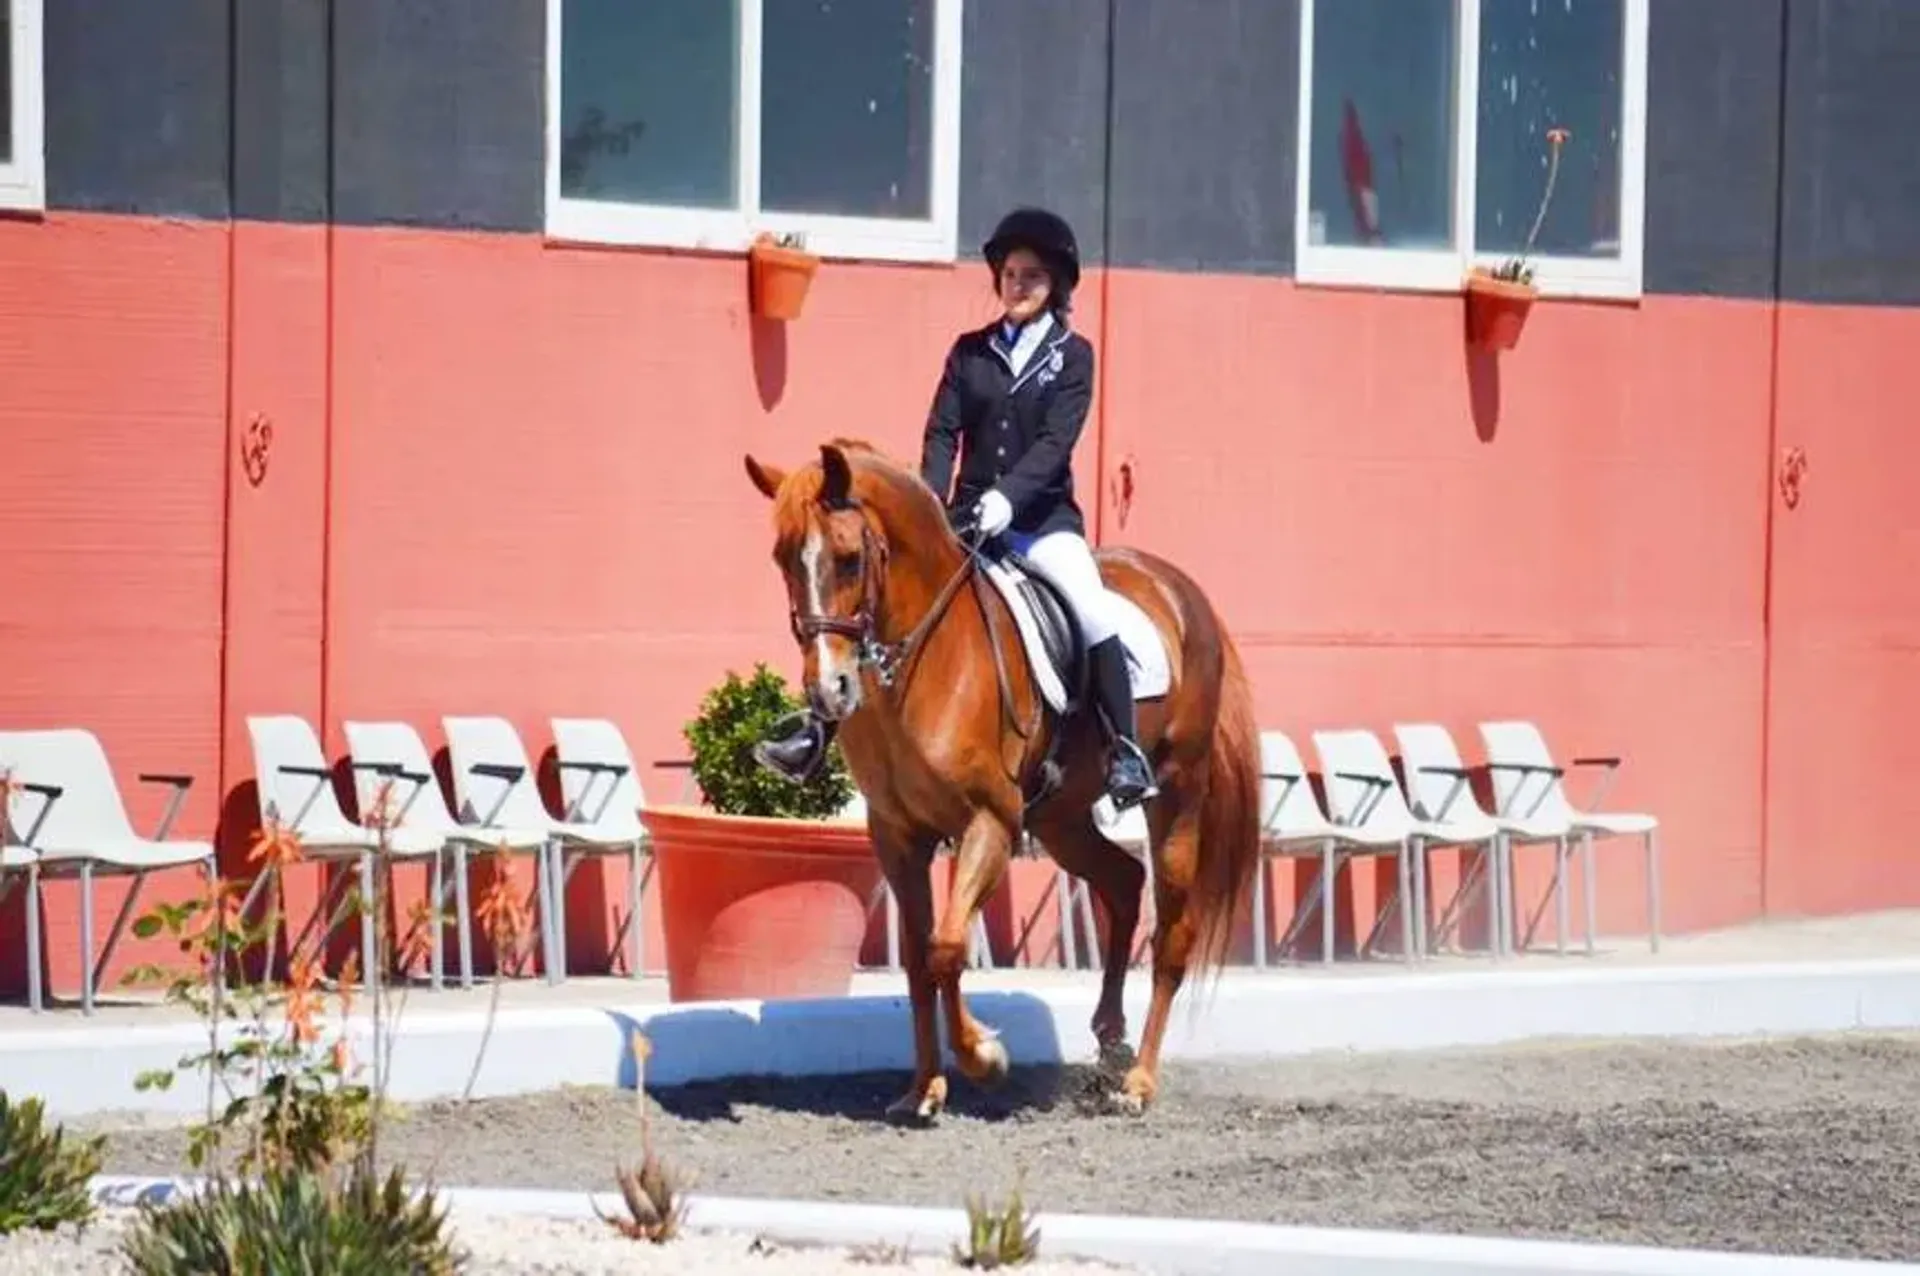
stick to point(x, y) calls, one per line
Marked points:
point(835, 676)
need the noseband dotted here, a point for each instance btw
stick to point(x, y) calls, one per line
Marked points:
point(863, 626)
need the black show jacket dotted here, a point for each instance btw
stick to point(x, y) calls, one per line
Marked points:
point(1013, 433)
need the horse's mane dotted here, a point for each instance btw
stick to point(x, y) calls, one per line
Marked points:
point(915, 500)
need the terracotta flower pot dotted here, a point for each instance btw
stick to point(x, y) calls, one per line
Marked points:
point(778, 278)
point(760, 908)
point(1496, 310)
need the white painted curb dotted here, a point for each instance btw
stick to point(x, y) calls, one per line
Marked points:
point(1175, 1247)
point(81, 1069)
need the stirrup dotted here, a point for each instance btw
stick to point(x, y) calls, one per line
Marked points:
point(1127, 755)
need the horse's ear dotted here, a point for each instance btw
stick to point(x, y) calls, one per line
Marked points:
point(836, 489)
point(765, 477)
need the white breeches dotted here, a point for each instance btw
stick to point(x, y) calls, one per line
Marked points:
point(1066, 558)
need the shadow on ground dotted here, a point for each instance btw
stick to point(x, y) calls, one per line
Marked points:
point(1026, 1093)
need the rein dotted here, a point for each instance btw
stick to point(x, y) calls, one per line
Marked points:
point(887, 658)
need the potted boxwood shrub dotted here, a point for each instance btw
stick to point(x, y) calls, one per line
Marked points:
point(764, 887)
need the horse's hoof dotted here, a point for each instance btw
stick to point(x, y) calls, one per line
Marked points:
point(989, 1064)
point(920, 1107)
point(1116, 1056)
point(1137, 1091)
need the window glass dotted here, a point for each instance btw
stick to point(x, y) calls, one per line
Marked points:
point(1381, 160)
point(846, 107)
point(6, 84)
point(648, 101)
point(1547, 64)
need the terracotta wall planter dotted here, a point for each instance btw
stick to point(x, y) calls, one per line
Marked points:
point(1496, 310)
point(778, 278)
point(760, 908)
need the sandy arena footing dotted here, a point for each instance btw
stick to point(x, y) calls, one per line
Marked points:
point(1637, 1157)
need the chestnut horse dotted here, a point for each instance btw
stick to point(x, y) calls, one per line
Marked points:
point(944, 730)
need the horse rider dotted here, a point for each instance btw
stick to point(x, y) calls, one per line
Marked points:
point(1012, 400)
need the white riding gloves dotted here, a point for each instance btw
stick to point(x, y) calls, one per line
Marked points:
point(994, 513)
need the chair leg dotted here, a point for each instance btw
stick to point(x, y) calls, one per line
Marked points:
point(1490, 893)
point(439, 891)
point(1589, 888)
point(120, 920)
point(87, 969)
point(550, 927)
point(370, 971)
point(1408, 852)
point(1560, 852)
point(1653, 889)
point(463, 913)
point(1260, 914)
point(1420, 881)
point(219, 960)
point(562, 873)
point(1329, 872)
point(1505, 896)
point(1561, 905)
point(36, 991)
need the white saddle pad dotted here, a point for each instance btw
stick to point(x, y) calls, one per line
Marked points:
point(1148, 667)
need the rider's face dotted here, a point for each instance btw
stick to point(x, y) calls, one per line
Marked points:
point(1024, 285)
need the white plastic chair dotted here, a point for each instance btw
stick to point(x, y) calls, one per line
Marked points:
point(63, 817)
point(495, 786)
point(602, 791)
point(296, 790)
point(381, 751)
point(1529, 785)
point(1441, 789)
point(1293, 825)
point(1365, 798)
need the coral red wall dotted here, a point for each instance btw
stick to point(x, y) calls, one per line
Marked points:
point(1846, 615)
point(505, 477)
point(113, 389)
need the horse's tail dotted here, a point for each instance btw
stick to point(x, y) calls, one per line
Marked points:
point(1229, 816)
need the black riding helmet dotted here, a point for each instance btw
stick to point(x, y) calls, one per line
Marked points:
point(1049, 238)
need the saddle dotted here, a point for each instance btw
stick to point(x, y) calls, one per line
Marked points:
point(1055, 648)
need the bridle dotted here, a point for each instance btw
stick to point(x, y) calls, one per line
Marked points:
point(862, 627)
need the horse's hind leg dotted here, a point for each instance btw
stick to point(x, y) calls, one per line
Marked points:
point(1116, 877)
point(1175, 822)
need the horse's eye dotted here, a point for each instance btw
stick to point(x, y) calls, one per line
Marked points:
point(848, 565)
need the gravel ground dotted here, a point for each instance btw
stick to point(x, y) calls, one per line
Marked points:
point(1809, 1146)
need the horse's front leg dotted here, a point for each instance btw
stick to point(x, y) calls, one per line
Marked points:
point(980, 861)
point(908, 869)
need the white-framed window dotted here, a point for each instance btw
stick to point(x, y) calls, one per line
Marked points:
point(1423, 146)
point(700, 123)
point(23, 168)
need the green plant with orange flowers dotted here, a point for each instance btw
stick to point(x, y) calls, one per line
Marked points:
point(308, 1196)
point(289, 1089)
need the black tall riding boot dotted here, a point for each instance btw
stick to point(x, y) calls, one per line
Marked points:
point(1129, 775)
point(795, 753)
